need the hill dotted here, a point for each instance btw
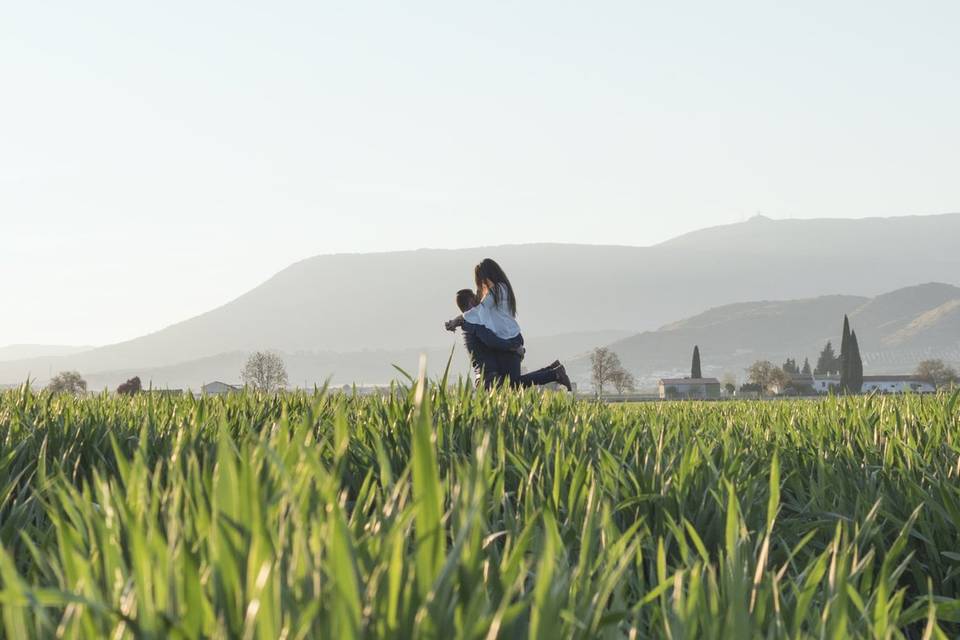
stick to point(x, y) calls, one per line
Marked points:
point(895, 330)
point(390, 301)
point(23, 351)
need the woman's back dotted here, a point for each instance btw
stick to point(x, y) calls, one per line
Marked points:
point(495, 315)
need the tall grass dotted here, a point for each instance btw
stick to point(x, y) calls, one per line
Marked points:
point(442, 512)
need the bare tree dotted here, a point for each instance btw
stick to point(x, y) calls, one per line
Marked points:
point(623, 381)
point(759, 372)
point(937, 373)
point(779, 379)
point(605, 368)
point(767, 375)
point(265, 371)
point(603, 363)
point(67, 382)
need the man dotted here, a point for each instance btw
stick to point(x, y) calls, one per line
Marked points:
point(488, 352)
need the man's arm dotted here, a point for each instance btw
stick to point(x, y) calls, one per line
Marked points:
point(451, 325)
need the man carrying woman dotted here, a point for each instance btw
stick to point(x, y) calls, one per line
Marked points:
point(492, 334)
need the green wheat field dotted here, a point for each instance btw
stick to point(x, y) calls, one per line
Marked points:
point(441, 512)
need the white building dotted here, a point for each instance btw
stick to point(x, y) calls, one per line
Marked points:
point(896, 384)
point(823, 384)
point(891, 383)
point(217, 388)
point(689, 388)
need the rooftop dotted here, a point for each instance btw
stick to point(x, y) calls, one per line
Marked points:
point(213, 382)
point(894, 378)
point(689, 381)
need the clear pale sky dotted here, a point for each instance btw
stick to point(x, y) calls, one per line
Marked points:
point(157, 160)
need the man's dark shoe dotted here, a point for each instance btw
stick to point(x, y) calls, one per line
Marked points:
point(563, 378)
point(554, 364)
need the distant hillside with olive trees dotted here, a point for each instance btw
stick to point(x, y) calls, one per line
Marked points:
point(896, 330)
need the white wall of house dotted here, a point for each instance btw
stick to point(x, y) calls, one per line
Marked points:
point(894, 385)
point(823, 385)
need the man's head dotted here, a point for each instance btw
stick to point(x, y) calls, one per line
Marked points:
point(466, 300)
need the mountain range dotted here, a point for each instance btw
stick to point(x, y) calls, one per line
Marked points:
point(338, 307)
point(26, 351)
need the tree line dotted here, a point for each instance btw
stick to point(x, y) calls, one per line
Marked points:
point(263, 371)
point(763, 375)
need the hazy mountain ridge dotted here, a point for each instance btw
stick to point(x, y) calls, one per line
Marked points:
point(895, 331)
point(395, 301)
point(25, 351)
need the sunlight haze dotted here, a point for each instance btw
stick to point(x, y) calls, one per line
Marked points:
point(157, 161)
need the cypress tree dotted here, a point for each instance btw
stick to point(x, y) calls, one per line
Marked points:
point(695, 367)
point(844, 354)
point(806, 367)
point(827, 362)
point(855, 366)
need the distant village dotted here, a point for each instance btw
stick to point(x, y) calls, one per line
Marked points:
point(833, 374)
point(795, 385)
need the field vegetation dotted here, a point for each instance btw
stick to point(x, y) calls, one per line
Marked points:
point(439, 511)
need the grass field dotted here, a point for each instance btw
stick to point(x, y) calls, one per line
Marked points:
point(442, 512)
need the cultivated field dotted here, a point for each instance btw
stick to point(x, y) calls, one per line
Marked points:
point(474, 515)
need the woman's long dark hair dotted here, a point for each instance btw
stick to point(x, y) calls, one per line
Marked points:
point(488, 269)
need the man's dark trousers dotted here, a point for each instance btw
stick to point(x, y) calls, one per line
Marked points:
point(499, 359)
